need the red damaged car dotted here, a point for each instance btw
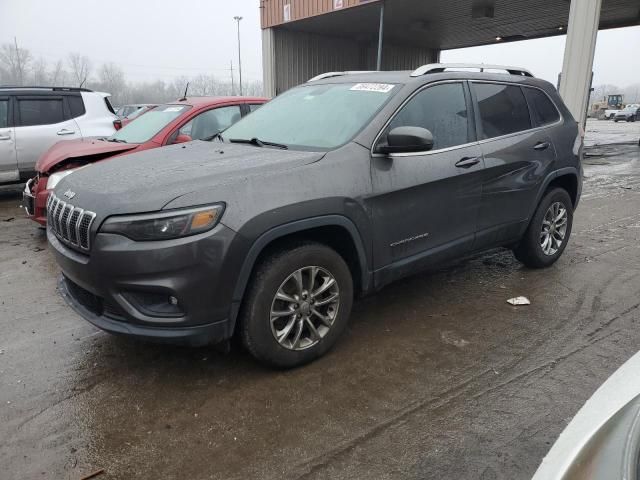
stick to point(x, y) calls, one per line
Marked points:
point(194, 118)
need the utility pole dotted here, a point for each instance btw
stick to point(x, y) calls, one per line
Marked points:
point(237, 19)
point(233, 88)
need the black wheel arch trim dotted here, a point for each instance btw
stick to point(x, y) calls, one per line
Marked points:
point(561, 172)
point(295, 227)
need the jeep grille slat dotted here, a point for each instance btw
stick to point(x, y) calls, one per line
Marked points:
point(70, 224)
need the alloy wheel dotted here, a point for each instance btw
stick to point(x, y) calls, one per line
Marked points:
point(304, 308)
point(554, 228)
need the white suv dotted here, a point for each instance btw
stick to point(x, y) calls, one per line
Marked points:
point(32, 119)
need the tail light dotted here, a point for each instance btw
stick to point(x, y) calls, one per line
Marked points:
point(117, 124)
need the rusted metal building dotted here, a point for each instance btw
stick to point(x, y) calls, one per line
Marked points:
point(302, 38)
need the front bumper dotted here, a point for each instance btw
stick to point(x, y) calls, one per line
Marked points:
point(110, 286)
point(34, 199)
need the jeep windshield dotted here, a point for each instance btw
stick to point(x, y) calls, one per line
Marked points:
point(313, 117)
point(145, 127)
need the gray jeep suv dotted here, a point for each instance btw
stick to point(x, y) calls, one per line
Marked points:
point(330, 191)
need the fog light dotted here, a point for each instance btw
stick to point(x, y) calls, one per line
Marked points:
point(173, 300)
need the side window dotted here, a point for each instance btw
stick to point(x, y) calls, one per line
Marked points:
point(4, 113)
point(254, 106)
point(503, 109)
point(442, 110)
point(41, 111)
point(76, 105)
point(211, 122)
point(543, 110)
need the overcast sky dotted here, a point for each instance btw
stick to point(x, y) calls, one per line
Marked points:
point(165, 39)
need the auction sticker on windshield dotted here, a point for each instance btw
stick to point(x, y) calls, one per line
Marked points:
point(373, 87)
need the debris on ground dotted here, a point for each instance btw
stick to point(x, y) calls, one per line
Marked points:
point(452, 338)
point(519, 301)
point(10, 219)
point(94, 474)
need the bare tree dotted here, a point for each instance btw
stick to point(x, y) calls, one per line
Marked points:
point(14, 63)
point(40, 75)
point(58, 74)
point(112, 81)
point(80, 66)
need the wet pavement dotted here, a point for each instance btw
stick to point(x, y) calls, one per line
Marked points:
point(436, 377)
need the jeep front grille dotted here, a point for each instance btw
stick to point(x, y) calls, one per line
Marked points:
point(71, 224)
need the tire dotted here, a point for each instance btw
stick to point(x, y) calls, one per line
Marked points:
point(615, 120)
point(530, 250)
point(276, 274)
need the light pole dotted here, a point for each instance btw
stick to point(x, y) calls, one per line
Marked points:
point(237, 19)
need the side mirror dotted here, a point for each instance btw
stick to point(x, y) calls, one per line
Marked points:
point(407, 139)
point(182, 138)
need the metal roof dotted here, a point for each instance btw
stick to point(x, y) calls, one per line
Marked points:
point(447, 24)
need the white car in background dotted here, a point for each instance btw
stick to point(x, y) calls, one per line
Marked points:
point(32, 119)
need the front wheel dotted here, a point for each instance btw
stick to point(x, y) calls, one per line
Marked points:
point(549, 231)
point(297, 306)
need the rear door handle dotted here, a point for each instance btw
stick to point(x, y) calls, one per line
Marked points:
point(65, 131)
point(541, 146)
point(5, 137)
point(467, 162)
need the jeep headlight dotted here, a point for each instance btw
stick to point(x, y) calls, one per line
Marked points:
point(55, 178)
point(164, 225)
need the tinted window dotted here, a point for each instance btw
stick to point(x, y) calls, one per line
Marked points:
point(41, 111)
point(314, 117)
point(4, 113)
point(543, 110)
point(503, 109)
point(211, 122)
point(442, 110)
point(254, 106)
point(76, 105)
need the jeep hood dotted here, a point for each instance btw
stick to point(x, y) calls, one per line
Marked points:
point(89, 147)
point(156, 177)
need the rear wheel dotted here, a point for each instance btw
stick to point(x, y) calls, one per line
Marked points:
point(298, 304)
point(549, 231)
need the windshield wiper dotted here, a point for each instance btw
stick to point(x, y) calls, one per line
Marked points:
point(258, 143)
point(214, 136)
point(117, 140)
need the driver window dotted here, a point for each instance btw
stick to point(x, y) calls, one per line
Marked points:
point(442, 110)
point(209, 123)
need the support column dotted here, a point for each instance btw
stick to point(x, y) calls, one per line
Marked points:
point(268, 63)
point(582, 32)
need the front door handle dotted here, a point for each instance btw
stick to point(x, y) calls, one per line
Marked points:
point(541, 146)
point(65, 131)
point(5, 137)
point(467, 162)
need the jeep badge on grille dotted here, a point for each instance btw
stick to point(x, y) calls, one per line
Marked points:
point(69, 194)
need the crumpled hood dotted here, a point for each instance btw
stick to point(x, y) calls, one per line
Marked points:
point(86, 147)
point(147, 181)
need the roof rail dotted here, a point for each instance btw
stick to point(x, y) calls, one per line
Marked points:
point(441, 67)
point(55, 89)
point(337, 74)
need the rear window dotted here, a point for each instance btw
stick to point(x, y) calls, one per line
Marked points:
point(503, 109)
point(76, 105)
point(4, 113)
point(109, 106)
point(41, 111)
point(543, 110)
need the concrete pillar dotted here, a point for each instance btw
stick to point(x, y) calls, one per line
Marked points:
point(582, 32)
point(268, 63)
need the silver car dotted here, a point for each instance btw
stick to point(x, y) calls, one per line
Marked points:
point(32, 119)
point(602, 442)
